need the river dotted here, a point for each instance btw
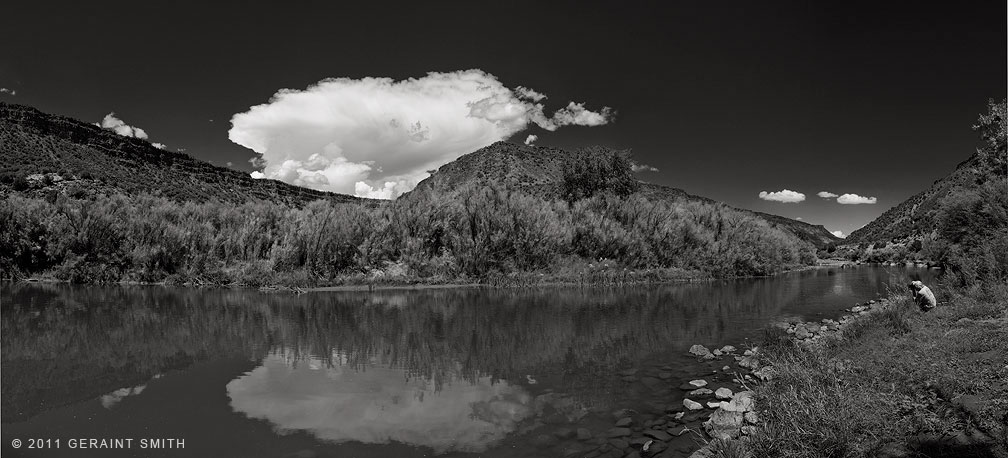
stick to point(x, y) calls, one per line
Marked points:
point(405, 373)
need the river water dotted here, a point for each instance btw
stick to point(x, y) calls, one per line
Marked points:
point(403, 373)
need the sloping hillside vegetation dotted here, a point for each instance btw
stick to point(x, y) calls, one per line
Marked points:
point(542, 171)
point(961, 222)
point(41, 152)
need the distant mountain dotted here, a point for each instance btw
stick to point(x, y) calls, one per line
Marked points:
point(64, 152)
point(916, 216)
point(540, 170)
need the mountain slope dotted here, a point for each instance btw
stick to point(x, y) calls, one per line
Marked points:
point(540, 170)
point(916, 216)
point(73, 152)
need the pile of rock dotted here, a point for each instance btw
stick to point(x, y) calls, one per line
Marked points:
point(813, 331)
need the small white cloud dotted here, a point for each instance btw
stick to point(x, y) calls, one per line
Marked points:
point(230, 164)
point(531, 139)
point(826, 194)
point(839, 234)
point(257, 175)
point(798, 218)
point(120, 127)
point(642, 168)
point(854, 199)
point(158, 145)
point(786, 196)
point(4, 90)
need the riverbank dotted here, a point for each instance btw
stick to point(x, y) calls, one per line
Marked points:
point(884, 380)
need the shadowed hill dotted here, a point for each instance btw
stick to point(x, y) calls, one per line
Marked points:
point(72, 153)
point(917, 216)
point(540, 171)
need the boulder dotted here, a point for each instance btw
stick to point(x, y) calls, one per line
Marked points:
point(741, 402)
point(727, 349)
point(751, 417)
point(723, 393)
point(691, 404)
point(699, 350)
point(624, 422)
point(700, 392)
point(724, 424)
point(699, 383)
point(714, 404)
point(749, 362)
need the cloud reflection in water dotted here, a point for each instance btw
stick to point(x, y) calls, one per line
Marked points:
point(379, 405)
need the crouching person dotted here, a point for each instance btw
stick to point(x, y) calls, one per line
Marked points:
point(923, 296)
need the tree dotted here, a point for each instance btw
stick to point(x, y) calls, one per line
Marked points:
point(598, 169)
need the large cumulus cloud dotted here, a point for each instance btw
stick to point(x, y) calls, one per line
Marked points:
point(377, 137)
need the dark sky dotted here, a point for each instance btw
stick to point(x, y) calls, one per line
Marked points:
point(726, 99)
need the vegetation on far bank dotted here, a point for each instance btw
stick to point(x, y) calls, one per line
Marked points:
point(601, 231)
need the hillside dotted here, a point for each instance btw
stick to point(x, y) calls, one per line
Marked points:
point(71, 153)
point(539, 170)
point(916, 216)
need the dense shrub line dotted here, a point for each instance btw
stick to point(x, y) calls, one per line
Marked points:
point(468, 234)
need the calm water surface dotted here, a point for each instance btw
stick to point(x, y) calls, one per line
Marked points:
point(451, 372)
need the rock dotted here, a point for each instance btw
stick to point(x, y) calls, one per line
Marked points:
point(679, 415)
point(726, 368)
point(617, 414)
point(699, 350)
point(583, 434)
point(747, 353)
point(700, 383)
point(766, 373)
point(658, 435)
point(749, 430)
point(802, 333)
point(713, 404)
point(564, 433)
point(751, 417)
point(700, 392)
point(723, 393)
point(704, 452)
point(639, 441)
point(709, 356)
point(724, 425)
point(741, 402)
point(858, 309)
point(691, 404)
point(728, 349)
point(618, 432)
point(717, 353)
point(624, 422)
point(749, 362)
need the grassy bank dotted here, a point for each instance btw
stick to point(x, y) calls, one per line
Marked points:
point(896, 382)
